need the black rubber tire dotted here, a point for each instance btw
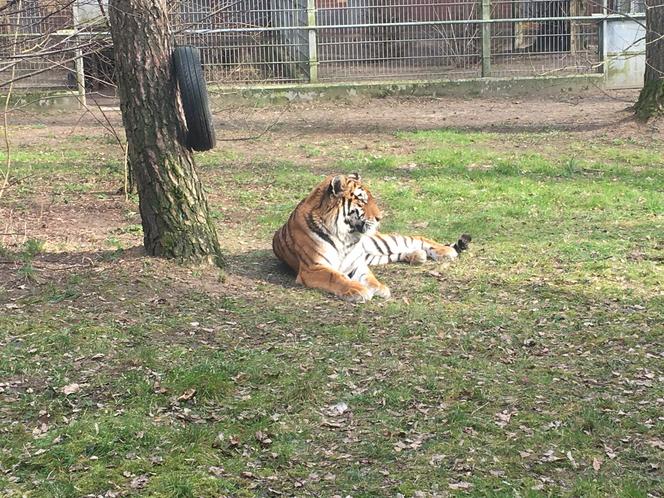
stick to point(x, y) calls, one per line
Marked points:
point(194, 96)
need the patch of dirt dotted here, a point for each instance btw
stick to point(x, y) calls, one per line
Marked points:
point(367, 122)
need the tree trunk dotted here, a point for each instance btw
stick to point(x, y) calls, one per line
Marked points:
point(173, 205)
point(651, 99)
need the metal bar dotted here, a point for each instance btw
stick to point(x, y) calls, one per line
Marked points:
point(486, 39)
point(597, 18)
point(313, 42)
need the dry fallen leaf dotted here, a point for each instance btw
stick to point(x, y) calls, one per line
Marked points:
point(460, 485)
point(139, 482)
point(263, 438)
point(71, 389)
point(550, 456)
point(503, 418)
point(571, 460)
point(656, 443)
point(597, 464)
point(216, 471)
point(187, 395)
point(338, 409)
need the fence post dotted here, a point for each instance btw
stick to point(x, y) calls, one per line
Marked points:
point(313, 42)
point(486, 39)
point(78, 62)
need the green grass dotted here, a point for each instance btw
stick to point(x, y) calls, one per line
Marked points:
point(532, 366)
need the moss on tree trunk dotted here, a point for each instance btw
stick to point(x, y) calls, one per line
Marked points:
point(651, 99)
point(173, 206)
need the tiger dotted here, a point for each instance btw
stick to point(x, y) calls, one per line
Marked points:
point(331, 238)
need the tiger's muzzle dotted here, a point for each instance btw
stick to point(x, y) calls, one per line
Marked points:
point(363, 226)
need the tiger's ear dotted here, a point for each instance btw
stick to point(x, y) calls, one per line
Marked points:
point(355, 176)
point(337, 186)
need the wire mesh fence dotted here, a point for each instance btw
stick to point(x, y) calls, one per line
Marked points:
point(247, 40)
point(26, 28)
point(285, 41)
point(374, 39)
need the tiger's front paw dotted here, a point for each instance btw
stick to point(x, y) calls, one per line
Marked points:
point(356, 294)
point(382, 291)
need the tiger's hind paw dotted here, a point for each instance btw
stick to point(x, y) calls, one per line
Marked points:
point(443, 252)
point(417, 257)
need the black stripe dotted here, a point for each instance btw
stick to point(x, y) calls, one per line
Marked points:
point(393, 239)
point(350, 275)
point(318, 230)
point(301, 254)
point(323, 256)
point(322, 198)
point(389, 249)
point(378, 247)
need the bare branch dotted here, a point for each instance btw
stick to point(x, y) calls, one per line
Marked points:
point(8, 161)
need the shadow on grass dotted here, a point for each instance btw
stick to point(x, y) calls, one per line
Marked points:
point(261, 265)
point(302, 128)
point(258, 266)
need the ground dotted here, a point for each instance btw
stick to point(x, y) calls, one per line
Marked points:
point(532, 366)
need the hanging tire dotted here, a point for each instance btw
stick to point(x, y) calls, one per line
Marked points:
point(194, 96)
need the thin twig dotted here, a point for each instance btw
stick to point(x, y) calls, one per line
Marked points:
point(8, 162)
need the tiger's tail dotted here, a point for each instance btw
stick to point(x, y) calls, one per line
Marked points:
point(383, 249)
point(462, 244)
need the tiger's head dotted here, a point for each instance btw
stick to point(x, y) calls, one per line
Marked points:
point(357, 213)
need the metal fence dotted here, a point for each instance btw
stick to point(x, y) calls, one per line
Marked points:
point(254, 41)
point(27, 28)
point(281, 41)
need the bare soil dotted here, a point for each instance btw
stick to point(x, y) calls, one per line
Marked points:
point(606, 113)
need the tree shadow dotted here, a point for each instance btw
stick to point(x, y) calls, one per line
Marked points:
point(260, 265)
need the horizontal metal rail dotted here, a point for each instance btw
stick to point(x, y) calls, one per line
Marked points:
point(257, 29)
point(594, 18)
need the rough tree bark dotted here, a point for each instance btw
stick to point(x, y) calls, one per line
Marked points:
point(173, 206)
point(651, 99)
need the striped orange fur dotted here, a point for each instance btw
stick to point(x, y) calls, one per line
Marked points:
point(332, 237)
